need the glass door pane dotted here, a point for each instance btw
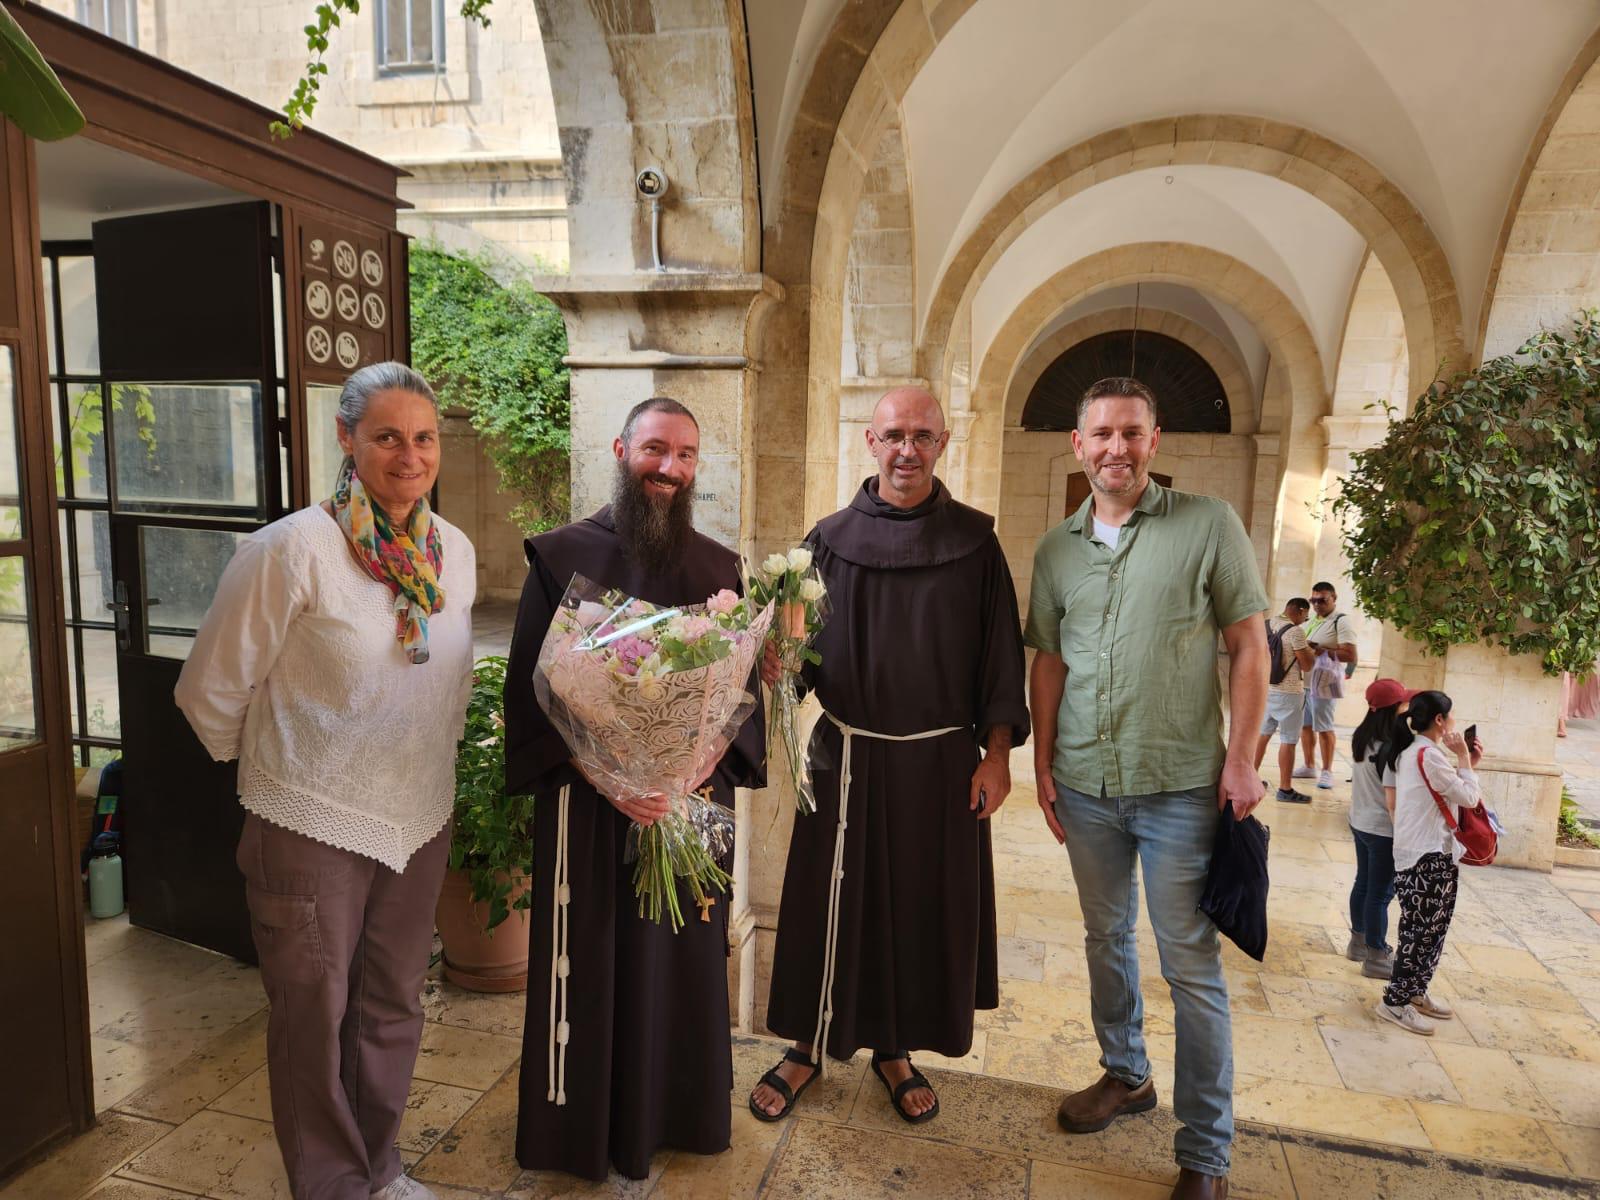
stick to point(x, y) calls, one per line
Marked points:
point(180, 572)
point(188, 447)
point(18, 708)
point(10, 452)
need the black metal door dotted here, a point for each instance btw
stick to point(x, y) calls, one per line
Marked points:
point(188, 349)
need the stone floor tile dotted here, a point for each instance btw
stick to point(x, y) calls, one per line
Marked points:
point(1305, 906)
point(1052, 1063)
point(1390, 1063)
point(1055, 1181)
point(102, 939)
point(1502, 1027)
point(1497, 1136)
point(480, 1151)
point(1579, 1146)
point(1326, 1167)
point(970, 1061)
point(187, 1017)
point(819, 1161)
point(128, 1189)
point(203, 1076)
point(989, 1114)
point(464, 1057)
point(1036, 1010)
point(1491, 1080)
point(218, 1154)
point(486, 1012)
point(557, 1185)
point(1505, 962)
point(1331, 1110)
point(732, 1175)
point(79, 1164)
point(1021, 958)
point(1038, 896)
point(432, 1109)
point(122, 1068)
point(251, 1098)
point(828, 1099)
point(1523, 993)
point(1571, 1087)
point(1058, 930)
point(1284, 1049)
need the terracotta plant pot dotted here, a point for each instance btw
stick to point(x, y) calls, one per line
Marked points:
point(474, 959)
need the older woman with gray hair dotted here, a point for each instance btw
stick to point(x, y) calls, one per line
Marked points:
point(335, 665)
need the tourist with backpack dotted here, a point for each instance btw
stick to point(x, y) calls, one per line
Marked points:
point(1290, 656)
point(1436, 792)
point(1331, 637)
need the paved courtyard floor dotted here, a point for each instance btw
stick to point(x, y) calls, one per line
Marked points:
point(1502, 1101)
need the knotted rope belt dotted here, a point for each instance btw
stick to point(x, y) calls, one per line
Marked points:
point(560, 962)
point(830, 959)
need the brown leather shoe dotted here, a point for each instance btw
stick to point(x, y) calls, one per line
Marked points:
point(1193, 1185)
point(1092, 1109)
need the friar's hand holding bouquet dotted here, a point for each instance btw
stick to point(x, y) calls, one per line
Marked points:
point(793, 585)
point(648, 698)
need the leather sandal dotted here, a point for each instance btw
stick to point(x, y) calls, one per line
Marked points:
point(791, 1096)
point(898, 1093)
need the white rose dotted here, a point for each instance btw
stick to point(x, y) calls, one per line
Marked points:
point(799, 560)
point(811, 590)
point(775, 565)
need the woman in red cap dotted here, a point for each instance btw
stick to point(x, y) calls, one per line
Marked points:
point(1372, 826)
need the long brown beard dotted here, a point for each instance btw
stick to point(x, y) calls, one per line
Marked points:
point(654, 533)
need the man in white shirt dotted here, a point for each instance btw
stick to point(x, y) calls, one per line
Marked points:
point(1331, 637)
point(1285, 696)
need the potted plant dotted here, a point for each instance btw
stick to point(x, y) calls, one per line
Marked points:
point(482, 916)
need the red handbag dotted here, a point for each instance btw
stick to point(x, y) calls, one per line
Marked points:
point(1476, 835)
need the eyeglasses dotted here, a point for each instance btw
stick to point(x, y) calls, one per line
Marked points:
point(1322, 599)
point(895, 439)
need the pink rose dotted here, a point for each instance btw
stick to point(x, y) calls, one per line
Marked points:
point(724, 602)
point(696, 627)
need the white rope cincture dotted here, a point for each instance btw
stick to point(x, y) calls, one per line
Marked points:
point(560, 962)
point(830, 952)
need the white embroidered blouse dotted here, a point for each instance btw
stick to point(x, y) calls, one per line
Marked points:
point(297, 673)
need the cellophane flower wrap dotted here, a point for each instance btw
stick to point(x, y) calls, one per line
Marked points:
point(792, 584)
point(648, 698)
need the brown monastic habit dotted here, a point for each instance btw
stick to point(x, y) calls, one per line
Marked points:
point(649, 1061)
point(923, 635)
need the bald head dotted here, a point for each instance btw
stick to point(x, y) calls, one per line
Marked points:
point(908, 408)
point(906, 437)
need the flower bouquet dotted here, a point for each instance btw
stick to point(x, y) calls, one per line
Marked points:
point(648, 699)
point(792, 583)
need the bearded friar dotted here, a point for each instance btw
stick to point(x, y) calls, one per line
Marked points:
point(643, 1047)
point(886, 931)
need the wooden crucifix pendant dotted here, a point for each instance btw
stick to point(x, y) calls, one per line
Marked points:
point(706, 903)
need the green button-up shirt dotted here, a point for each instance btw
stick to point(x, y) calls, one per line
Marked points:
point(1137, 627)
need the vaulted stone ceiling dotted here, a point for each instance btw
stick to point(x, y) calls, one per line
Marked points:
point(1442, 97)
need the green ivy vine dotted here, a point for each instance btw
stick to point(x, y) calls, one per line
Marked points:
point(1478, 517)
point(495, 350)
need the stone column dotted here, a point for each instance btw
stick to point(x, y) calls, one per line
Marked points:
point(688, 336)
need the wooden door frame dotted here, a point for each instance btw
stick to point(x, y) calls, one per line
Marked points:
point(141, 105)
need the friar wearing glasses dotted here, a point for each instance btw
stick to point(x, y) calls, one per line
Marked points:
point(886, 932)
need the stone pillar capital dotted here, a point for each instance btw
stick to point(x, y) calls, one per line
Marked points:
point(1355, 432)
point(661, 320)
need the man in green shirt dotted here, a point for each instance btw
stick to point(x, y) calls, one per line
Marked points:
point(1129, 595)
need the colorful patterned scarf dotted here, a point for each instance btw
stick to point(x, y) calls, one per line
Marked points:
point(412, 574)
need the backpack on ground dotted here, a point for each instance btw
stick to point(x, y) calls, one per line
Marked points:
point(1275, 648)
point(1475, 831)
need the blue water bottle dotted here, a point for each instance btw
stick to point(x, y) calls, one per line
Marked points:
point(105, 875)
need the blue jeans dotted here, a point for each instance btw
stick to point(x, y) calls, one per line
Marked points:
point(1171, 835)
point(1374, 887)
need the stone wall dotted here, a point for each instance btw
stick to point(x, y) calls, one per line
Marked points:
point(1551, 262)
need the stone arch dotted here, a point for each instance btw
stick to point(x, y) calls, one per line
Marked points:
point(1288, 459)
point(1343, 180)
point(1235, 378)
point(1545, 264)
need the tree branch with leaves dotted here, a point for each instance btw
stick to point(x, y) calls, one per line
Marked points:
point(1478, 517)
